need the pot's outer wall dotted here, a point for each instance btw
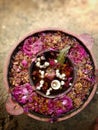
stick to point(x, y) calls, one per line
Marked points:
point(85, 39)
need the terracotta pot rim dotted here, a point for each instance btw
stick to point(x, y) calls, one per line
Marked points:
point(42, 30)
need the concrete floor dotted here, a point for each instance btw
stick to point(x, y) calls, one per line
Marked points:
point(17, 18)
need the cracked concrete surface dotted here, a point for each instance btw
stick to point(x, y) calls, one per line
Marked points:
point(17, 18)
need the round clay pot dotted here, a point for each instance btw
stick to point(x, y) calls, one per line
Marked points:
point(14, 108)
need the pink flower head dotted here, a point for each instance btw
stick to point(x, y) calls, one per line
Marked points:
point(65, 105)
point(77, 53)
point(37, 47)
point(32, 48)
point(67, 102)
point(23, 93)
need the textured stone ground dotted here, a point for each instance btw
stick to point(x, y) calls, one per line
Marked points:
point(17, 18)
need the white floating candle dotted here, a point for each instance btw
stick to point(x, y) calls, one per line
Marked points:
point(55, 84)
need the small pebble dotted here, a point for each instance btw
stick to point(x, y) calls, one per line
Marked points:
point(50, 89)
point(62, 82)
point(70, 84)
point(38, 64)
point(55, 61)
point(63, 75)
point(46, 64)
point(42, 72)
point(48, 93)
point(42, 58)
point(38, 87)
point(42, 82)
point(57, 71)
point(38, 59)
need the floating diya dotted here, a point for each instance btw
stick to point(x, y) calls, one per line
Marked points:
point(50, 75)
